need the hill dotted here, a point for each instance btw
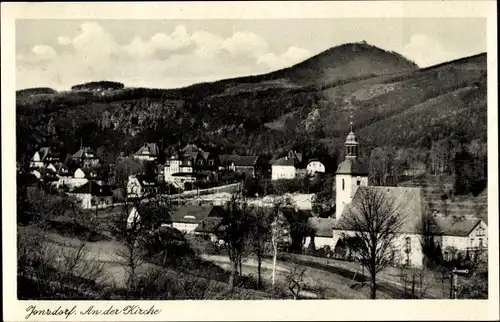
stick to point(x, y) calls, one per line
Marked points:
point(305, 106)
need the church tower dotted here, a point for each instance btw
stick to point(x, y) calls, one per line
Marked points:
point(351, 174)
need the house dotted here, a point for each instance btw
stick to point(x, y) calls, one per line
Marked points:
point(415, 169)
point(62, 172)
point(283, 168)
point(43, 157)
point(93, 195)
point(252, 166)
point(147, 152)
point(85, 157)
point(188, 217)
point(462, 234)
point(80, 177)
point(188, 166)
point(409, 203)
point(139, 186)
point(45, 175)
point(315, 166)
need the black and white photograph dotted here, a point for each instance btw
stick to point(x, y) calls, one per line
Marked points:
point(327, 158)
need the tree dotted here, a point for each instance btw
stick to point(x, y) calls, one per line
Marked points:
point(234, 228)
point(430, 231)
point(280, 229)
point(476, 286)
point(137, 219)
point(374, 221)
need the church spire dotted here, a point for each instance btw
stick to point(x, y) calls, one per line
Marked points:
point(351, 145)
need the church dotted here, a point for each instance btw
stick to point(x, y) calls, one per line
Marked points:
point(351, 183)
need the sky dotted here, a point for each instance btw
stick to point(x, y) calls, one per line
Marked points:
point(176, 53)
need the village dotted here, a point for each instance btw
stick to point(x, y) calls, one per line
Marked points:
point(198, 206)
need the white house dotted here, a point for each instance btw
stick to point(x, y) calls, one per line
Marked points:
point(314, 166)
point(80, 177)
point(93, 195)
point(188, 217)
point(147, 152)
point(462, 234)
point(62, 172)
point(283, 168)
point(139, 186)
point(43, 157)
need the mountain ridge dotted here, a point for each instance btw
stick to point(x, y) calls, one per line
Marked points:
point(232, 113)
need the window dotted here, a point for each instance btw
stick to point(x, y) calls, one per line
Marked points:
point(343, 184)
point(471, 242)
point(480, 232)
point(481, 243)
point(408, 244)
point(211, 162)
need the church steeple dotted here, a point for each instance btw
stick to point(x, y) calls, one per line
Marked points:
point(351, 145)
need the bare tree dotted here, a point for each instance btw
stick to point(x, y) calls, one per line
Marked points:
point(374, 221)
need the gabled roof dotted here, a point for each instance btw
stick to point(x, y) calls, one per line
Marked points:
point(61, 168)
point(452, 226)
point(148, 149)
point(85, 152)
point(94, 189)
point(191, 148)
point(285, 161)
point(191, 213)
point(45, 152)
point(89, 172)
point(407, 202)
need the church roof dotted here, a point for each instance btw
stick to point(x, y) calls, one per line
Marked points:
point(351, 138)
point(352, 166)
point(407, 202)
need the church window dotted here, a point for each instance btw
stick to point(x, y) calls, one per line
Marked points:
point(407, 244)
point(343, 184)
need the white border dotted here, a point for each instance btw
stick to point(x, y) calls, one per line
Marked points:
point(251, 310)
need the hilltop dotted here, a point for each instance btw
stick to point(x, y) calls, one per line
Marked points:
point(304, 106)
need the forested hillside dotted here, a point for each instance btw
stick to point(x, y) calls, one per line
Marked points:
point(305, 106)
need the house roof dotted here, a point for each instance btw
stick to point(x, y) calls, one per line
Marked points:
point(61, 168)
point(89, 172)
point(407, 202)
point(94, 189)
point(192, 214)
point(148, 149)
point(208, 225)
point(240, 160)
point(323, 227)
point(143, 181)
point(453, 226)
point(285, 161)
point(85, 152)
point(46, 152)
point(352, 166)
